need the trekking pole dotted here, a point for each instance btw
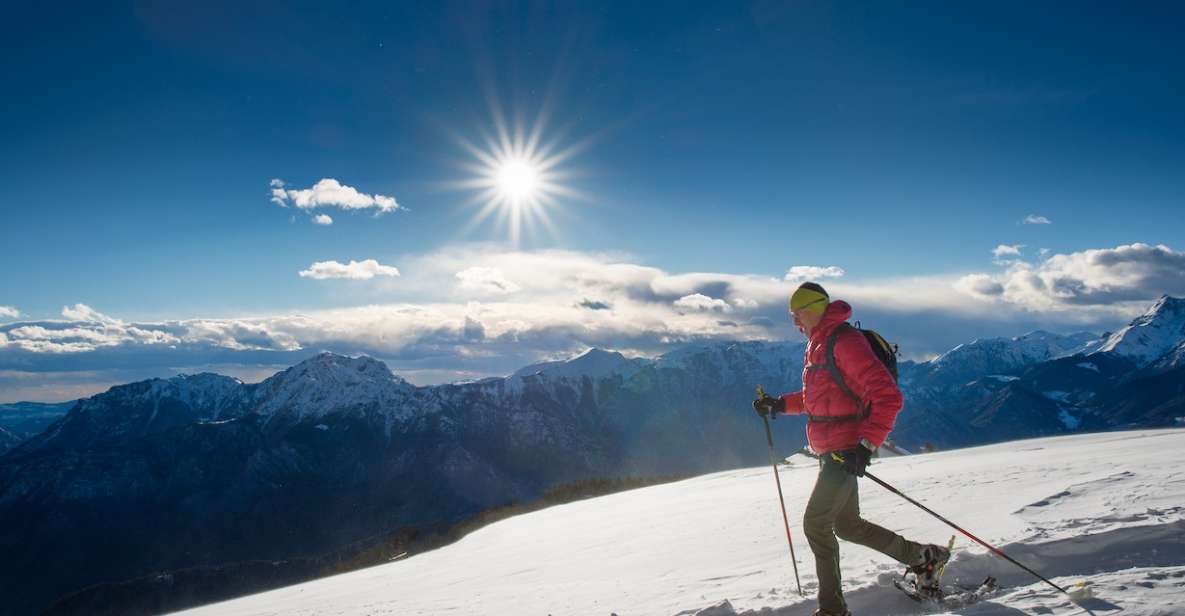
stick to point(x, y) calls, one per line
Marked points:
point(992, 548)
point(769, 438)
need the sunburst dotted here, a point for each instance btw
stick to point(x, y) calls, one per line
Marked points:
point(518, 178)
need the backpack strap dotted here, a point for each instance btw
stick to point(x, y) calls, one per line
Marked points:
point(833, 369)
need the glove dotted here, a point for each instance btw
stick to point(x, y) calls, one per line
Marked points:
point(856, 460)
point(769, 406)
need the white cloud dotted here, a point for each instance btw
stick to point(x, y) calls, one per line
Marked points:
point(699, 301)
point(354, 270)
point(328, 192)
point(37, 332)
point(87, 330)
point(279, 195)
point(1033, 219)
point(802, 273)
point(1007, 250)
point(980, 285)
point(567, 301)
point(1130, 274)
point(744, 303)
point(323, 219)
point(9, 311)
point(486, 280)
point(82, 312)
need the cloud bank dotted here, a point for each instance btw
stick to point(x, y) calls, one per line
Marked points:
point(473, 310)
point(1096, 278)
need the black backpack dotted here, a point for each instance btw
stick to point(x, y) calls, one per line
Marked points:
point(884, 351)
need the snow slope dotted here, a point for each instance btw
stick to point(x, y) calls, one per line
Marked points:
point(1108, 509)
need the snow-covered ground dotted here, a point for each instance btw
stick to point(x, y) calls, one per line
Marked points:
point(1107, 509)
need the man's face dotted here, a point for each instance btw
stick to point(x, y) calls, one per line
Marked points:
point(806, 320)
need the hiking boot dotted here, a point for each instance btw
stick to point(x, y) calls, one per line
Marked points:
point(933, 559)
point(823, 612)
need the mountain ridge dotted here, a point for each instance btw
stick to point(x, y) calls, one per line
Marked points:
point(338, 448)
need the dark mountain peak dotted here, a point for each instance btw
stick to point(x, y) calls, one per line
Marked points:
point(146, 407)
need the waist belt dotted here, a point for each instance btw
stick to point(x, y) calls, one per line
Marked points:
point(862, 415)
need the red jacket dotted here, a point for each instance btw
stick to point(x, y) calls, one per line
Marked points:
point(864, 374)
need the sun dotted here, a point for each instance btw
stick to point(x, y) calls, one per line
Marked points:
point(517, 180)
point(517, 177)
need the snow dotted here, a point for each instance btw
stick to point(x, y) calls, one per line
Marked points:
point(1069, 421)
point(329, 383)
point(1150, 335)
point(594, 363)
point(1103, 509)
point(1060, 396)
point(1018, 351)
point(1003, 377)
point(1087, 366)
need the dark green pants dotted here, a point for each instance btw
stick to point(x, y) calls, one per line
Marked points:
point(834, 511)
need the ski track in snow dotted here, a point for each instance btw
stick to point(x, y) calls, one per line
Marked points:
point(1107, 509)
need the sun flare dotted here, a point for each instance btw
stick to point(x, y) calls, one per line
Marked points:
point(517, 178)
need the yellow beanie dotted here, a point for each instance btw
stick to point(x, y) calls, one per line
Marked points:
point(809, 296)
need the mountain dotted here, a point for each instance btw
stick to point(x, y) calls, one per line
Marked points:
point(1101, 509)
point(127, 412)
point(8, 440)
point(1045, 384)
point(966, 395)
point(594, 363)
point(28, 419)
point(1003, 356)
point(204, 469)
point(1151, 335)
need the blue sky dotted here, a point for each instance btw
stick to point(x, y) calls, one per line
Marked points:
point(903, 144)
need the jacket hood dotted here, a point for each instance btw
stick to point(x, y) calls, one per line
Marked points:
point(837, 312)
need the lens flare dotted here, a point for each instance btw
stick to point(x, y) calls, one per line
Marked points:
point(517, 178)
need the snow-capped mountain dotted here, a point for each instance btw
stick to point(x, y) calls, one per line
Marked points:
point(1004, 356)
point(594, 363)
point(204, 469)
point(1134, 377)
point(1173, 359)
point(328, 384)
point(129, 411)
point(1151, 335)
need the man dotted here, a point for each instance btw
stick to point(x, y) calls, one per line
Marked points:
point(852, 424)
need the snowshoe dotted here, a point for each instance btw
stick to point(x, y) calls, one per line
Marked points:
point(947, 596)
point(928, 572)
